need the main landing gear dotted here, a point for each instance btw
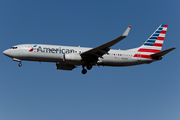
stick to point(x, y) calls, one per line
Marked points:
point(84, 71)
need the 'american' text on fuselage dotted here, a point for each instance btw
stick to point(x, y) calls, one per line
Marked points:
point(54, 50)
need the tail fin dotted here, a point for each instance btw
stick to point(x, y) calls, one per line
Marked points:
point(155, 42)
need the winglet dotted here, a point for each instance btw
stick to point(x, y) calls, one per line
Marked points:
point(127, 31)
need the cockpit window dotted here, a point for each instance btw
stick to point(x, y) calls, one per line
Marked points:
point(13, 47)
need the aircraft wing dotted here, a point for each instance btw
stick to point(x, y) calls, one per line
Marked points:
point(103, 49)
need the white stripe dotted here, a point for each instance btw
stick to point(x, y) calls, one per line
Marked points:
point(161, 35)
point(152, 47)
point(164, 28)
point(159, 41)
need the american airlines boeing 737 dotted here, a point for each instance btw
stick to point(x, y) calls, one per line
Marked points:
point(67, 57)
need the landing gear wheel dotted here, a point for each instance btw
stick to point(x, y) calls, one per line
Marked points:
point(19, 64)
point(84, 71)
point(89, 67)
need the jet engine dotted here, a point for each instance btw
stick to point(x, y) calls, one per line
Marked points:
point(63, 66)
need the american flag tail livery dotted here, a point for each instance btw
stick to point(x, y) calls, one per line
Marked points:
point(153, 44)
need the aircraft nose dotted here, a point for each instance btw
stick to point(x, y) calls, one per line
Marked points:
point(6, 52)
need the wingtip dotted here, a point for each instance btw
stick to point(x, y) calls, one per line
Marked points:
point(174, 48)
point(127, 31)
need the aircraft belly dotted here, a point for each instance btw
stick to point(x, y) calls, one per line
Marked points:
point(75, 62)
point(117, 61)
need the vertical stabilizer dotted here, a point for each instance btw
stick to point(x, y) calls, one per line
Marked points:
point(155, 42)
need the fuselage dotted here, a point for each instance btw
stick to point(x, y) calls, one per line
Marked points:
point(54, 53)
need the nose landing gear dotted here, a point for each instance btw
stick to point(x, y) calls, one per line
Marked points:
point(18, 60)
point(20, 64)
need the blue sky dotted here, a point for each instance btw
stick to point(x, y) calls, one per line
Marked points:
point(39, 91)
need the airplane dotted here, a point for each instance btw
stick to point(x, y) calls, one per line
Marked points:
point(68, 57)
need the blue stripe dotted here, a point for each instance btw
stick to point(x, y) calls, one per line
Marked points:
point(162, 25)
point(149, 44)
point(158, 32)
point(153, 37)
point(160, 28)
point(155, 34)
point(153, 41)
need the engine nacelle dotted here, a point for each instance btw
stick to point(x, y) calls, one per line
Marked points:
point(63, 66)
point(72, 57)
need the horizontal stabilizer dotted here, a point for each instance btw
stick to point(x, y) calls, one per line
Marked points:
point(162, 53)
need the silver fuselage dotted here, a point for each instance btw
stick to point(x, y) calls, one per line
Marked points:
point(54, 53)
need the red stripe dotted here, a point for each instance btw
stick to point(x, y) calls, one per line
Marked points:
point(142, 56)
point(165, 25)
point(160, 38)
point(148, 50)
point(31, 50)
point(146, 56)
point(136, 55)
point(163, 32)
point(158, 44)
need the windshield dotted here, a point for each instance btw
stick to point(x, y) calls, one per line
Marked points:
point(13, 47)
